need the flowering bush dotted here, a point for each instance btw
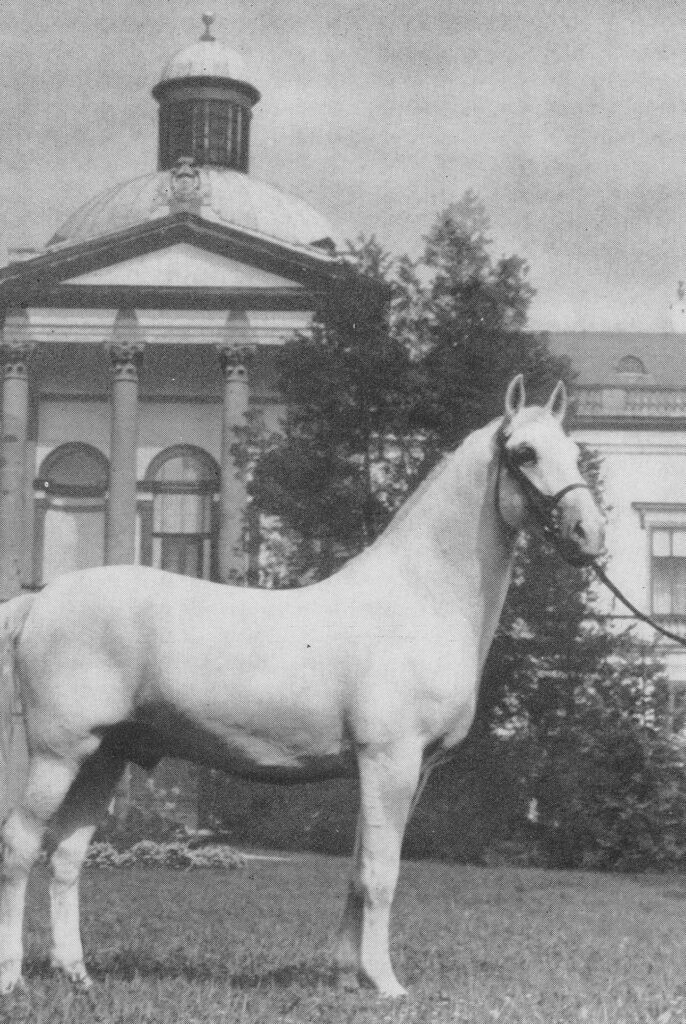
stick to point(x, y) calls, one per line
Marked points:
point(177, 854)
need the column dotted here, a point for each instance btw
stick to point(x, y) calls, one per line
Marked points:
point(15, 355)
point(31, 566)
point(233, 497)
point(126, 354)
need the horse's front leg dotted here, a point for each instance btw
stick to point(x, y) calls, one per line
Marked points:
point(388, 780)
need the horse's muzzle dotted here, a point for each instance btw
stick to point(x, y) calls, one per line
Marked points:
point(582, 529)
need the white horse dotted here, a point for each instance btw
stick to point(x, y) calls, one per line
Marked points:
point(376, 668)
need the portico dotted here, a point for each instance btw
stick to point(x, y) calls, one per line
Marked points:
point(87, 422)
point(136, 343)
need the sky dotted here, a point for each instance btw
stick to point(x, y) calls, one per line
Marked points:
point(567, 119)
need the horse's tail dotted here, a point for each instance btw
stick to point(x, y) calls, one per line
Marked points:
point(13, 615)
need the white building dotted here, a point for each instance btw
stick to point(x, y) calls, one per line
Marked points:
point(137, 339)
point(631, 409)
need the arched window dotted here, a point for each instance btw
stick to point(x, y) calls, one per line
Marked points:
point(630, 364)
point(71, 488)
point(179, 520)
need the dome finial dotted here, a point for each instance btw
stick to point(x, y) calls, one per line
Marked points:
point(207, 36)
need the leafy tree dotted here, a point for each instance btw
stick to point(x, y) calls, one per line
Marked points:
point(580, 710)
point(467, 313)
point(570, 714)
point(405, 360)
point(333, 476)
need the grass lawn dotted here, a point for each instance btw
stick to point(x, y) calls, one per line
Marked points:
point(474, 945)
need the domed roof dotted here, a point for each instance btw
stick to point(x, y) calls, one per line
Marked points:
point(206, 58)
point(219, 195)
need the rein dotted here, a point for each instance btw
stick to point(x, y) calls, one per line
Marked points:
point(614, 589)
point(543, 507)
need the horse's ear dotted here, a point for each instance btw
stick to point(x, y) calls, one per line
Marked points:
point(514, 397)
point(557, 403)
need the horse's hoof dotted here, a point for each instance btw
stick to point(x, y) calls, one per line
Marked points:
point(346, 978)
point(81, 982)
point(10, 977)
point(76, 974)
point(395, 991)
point(386, 988)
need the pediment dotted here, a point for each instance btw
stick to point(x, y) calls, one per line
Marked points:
point(182, 265)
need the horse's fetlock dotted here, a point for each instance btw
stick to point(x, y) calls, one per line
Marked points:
point(380, 977)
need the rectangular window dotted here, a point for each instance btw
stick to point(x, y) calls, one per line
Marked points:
point(668, 571)
point(219, 125)
point(176, 131)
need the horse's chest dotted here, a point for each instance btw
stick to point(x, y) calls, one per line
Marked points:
point(446, 690)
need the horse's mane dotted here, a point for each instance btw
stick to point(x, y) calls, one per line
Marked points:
point(464, 448)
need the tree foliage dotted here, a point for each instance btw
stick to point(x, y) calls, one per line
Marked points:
point(404, 361)
point(470, 312)
point(580, 711)
point(394, 373)
point(332, 476)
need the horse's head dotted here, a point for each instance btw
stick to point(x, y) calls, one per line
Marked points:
point(539, 481)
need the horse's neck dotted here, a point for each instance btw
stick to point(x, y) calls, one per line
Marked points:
point(450, 540)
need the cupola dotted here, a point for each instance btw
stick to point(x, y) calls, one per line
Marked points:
point(205, 106)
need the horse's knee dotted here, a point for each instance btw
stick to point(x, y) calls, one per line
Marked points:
point(65, 865)
point(21, 841)
point(67, 854)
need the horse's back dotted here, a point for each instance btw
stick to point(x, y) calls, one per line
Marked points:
point(112, 644)
point(357, 657)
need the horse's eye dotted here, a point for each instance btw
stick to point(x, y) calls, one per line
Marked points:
point(524, 455)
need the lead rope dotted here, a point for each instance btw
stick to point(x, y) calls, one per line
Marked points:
point(614, 589)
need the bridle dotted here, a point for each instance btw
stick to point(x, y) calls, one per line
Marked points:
point(543, 506)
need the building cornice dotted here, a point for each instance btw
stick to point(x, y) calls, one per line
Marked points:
point(660, 513)
point(668, 423)
point(87, 296)
point(29, 281)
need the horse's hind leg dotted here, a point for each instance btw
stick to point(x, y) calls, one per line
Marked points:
point(70, 833)
point(48, 781)
point(347, 963)
point(388, 780)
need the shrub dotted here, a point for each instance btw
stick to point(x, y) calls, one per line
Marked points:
point(168, 855)
point(612, 797)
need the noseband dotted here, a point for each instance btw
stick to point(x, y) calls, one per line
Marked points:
point(543, 506)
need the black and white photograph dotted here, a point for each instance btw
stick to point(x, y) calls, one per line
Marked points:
point(343, 512)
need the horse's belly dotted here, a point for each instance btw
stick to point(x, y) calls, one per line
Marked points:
point(280, 750)
point(256, 757)
point(259, 755)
